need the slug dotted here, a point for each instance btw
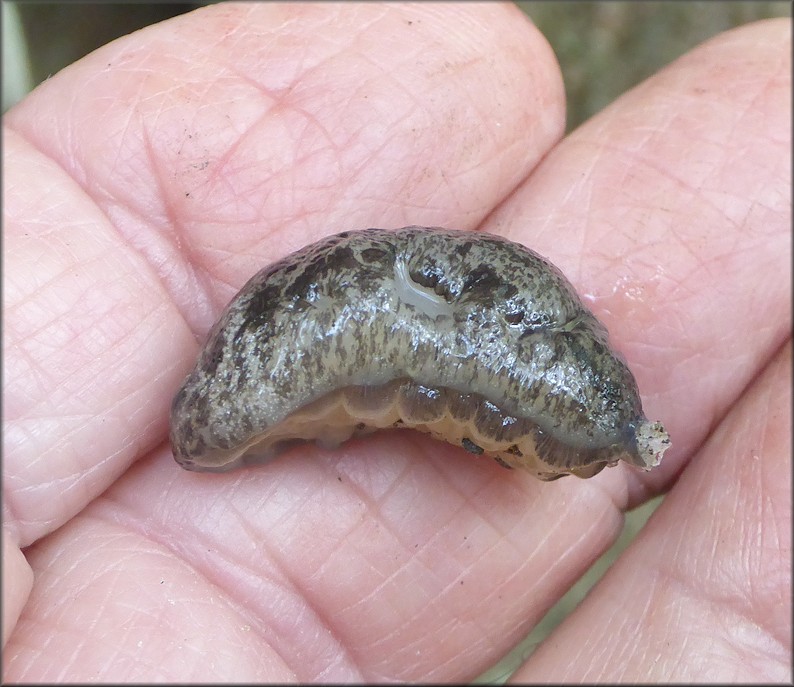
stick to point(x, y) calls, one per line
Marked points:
point(469, 337)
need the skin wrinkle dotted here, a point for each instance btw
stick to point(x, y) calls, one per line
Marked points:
point(360, 169)
point(751, 110)
point(450, 523)
point(410, 96)
point(397, 630)
point(285, 519)
point(385, 581)
point(698, 263)
point(310, 123)
point(228, 155)
point(31, 373)
point(125, 130)
point(405, 60)
point(65, 482)
point(676, 584)
point(324, 621)
point(439, 668)
point(507, 536)
point(189, 556)
point(410, 650)
point(491, 523)
point(374, 641)
point(261, 620)
point(79, 392)
point(391, 77)
point(732, 635)
point(33, 298)
point(551, 578)
point(376, 507)
point(463, 569)
point(71, 431)
point(160, 254)
point(198, 277)
point(12, 513)
point(34, 462)
point(170, 213)
point(635, 164)
point(321, 619)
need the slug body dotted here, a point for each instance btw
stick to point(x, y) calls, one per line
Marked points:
point(467, 336)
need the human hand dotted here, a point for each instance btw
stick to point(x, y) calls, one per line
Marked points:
point(147, 182)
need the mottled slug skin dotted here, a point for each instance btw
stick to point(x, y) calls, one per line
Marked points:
point(467, 336)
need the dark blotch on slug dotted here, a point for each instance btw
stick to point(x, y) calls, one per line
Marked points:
point(375, 255)
point(471, 447)
point(515, 317)
point(469, 337)
point(463, 248)
point(431, 276)
point(484, 280)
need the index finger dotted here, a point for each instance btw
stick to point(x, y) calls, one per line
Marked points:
point(671, 212)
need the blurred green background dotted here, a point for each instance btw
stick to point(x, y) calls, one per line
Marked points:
point(604, 48)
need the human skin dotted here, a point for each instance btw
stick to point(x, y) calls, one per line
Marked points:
point(145, 184)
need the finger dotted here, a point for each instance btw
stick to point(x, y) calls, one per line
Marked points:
point(93, 347)
point(671, 211)
point(114, 606)
point(17, 583)
point(270, 125)
point(704, 591)
point(177, 162)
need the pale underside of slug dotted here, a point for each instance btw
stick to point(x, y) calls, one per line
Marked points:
point(469, 337)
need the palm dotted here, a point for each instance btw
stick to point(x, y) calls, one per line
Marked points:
point(147, 183)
